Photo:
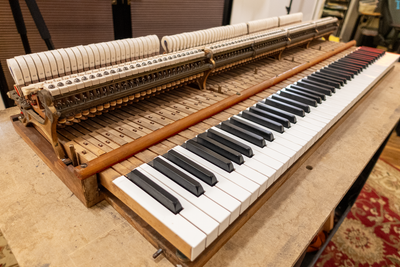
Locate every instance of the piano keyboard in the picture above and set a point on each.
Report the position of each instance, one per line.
(195, 191)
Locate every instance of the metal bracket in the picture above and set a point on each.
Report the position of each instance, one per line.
(202, 81)
(47, 125)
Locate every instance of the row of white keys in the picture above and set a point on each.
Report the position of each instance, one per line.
(273, 158)
(218, 197)
(223, 185)
(178, 224)
(208, 206)
(269, 166)
(234, 177)
(190, 211)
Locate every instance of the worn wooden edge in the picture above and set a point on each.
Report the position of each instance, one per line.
(85, 190)
(106, 178)
(107, 160)
(158, 241)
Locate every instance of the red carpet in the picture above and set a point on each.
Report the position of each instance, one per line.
(370, 234)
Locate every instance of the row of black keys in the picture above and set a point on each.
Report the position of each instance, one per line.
(276, 113)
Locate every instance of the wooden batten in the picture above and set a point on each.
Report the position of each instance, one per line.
(106, 178)
(107, 160)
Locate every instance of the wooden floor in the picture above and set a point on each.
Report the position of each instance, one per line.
(391, 153)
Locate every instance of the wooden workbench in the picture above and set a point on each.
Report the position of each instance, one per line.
(46, 225)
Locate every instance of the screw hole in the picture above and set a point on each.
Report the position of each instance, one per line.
(308, 167)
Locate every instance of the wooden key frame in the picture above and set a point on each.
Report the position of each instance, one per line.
(90, 164)
(82, 180)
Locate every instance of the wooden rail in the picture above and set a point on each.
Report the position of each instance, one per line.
(107, 160)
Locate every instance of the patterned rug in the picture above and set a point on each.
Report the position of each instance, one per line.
(370, 234)
(7, 259)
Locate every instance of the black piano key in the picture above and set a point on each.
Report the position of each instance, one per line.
(346, 75)
(269, 115)
(353, 63)
(304, 93)
(263, 121)
(320, 85)
(292, 102)
(177, 176)
(333, 78)
(267, 135)
(230, 142)
(344, 68)
(285, 107)
(308, 91)
(313, 87)
(192, 167)
(288, 115)
(300, 98)
(221, 149)
(209, 155)
(346, 64)
(244, 134)
(323, 81)
(155, 191)
(361, 59)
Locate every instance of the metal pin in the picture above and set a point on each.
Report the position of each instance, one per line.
(157, 253)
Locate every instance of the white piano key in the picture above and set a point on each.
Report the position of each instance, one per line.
(176, 223)
(214, 193)
(266, 150)
(225, 185)
(215, 211)
(236, 178)
(291, 150)
(190, 212)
